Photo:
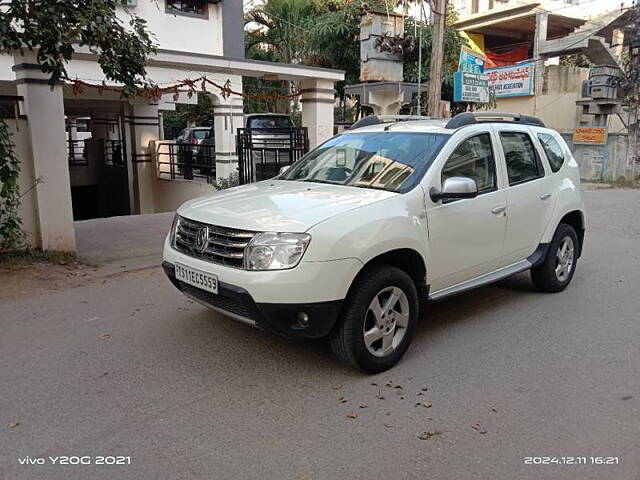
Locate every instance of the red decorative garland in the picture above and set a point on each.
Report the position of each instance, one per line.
(154, 92)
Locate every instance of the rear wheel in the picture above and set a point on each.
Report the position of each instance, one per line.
(378, 320)
(556, 272)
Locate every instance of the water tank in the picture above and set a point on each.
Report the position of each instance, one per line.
(377, 65)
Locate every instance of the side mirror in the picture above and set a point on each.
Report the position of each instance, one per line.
(284, 169)
(455, 188)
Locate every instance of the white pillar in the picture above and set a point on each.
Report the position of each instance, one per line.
(386, 102)
(98, 125)
(144, 127)
(227, 118)
(44, 108)
(542, 22)
(318, 100)
(617, 42)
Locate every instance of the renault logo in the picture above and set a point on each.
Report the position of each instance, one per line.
(202, 239)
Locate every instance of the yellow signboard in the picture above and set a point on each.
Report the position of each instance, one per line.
(590, 135)
(475, 41)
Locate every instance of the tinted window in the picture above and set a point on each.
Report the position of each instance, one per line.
(553, 150)
(269, 122)
(200, 134)
(520, 155)
(473, 158)
(392, 161)
(196, 7)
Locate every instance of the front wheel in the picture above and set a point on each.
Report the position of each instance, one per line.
(378, 321)
(555, 273)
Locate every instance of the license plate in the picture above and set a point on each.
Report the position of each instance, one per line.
(203, 280)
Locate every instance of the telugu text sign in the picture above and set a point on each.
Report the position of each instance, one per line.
(511, 81)
(590, 135)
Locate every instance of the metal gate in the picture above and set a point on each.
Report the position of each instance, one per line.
(262, 152)
(183, 160)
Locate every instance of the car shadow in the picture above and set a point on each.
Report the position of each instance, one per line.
(480, 300)
(241, 344)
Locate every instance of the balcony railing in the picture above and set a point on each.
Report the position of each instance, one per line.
(76, 152)
(114, 153)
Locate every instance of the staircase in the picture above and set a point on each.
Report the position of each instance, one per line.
(585, 40)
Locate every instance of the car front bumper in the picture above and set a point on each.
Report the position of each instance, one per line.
(279, 318)
(273, 300)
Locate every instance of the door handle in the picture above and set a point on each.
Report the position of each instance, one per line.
(545, 196)
(498, 210)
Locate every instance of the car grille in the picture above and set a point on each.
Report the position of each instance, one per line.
(221, 245)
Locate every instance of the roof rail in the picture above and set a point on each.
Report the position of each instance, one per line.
(472, 118)
(378, 119)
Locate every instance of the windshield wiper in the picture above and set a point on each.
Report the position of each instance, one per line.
(314, 180)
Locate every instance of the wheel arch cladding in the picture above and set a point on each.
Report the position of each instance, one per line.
(575, 218)
(406, 259)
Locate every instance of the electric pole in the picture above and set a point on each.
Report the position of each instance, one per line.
(438, 9)
(633, 79)
(418, 97)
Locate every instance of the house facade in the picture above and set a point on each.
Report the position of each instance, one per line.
(522, 42)
(87, 152)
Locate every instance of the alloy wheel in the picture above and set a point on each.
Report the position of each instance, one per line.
(564, 259)
(386, 321)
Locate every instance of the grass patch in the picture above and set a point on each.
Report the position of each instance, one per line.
(22, 258)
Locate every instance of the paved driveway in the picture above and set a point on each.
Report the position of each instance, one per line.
(130, 367)
(136, 238)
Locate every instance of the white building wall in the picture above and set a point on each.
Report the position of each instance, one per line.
(181, 32)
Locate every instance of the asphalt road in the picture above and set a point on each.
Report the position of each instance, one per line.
(130, 367)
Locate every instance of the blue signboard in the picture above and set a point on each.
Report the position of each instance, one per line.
(471, 61)
(470, 87)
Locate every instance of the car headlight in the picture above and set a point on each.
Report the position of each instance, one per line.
(174, 229)
(275, 251)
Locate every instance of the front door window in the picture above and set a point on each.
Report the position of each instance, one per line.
(473, 158)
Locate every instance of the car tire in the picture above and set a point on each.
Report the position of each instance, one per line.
(372, 339)
(555, 273)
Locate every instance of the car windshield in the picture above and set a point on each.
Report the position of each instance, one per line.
(393, 161)
(269, 122)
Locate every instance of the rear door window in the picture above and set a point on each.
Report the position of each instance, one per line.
(553, 150)
(520, 156)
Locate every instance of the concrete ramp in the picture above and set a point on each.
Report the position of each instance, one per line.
(134, 241)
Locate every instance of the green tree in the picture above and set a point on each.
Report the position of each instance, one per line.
(453, 42)
(261, 86)
(54, 29)
(334, 36)
(282, 26)
(200, 115)
(326, 34)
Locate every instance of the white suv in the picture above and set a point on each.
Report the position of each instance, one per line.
(354, 238)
